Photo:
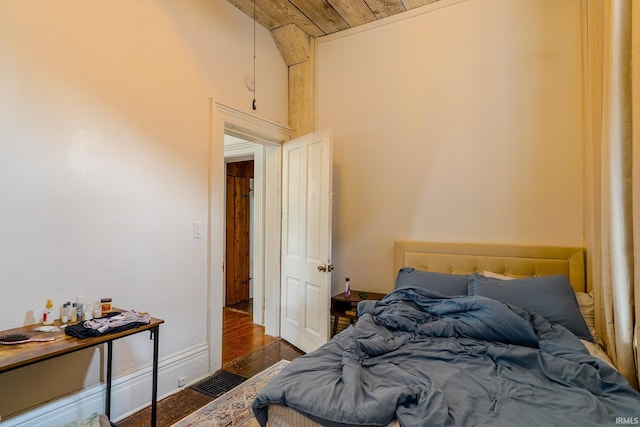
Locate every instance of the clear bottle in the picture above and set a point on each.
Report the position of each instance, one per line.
(64, 314)
(74, 312)
(347, 288)
(97, 309)
(69, 308)
(79, 307)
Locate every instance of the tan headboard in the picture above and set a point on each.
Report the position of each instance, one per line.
(510, 260)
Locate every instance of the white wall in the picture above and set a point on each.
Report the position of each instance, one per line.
(462, 124)
(104, 168)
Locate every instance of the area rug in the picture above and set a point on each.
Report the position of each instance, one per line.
(233, 409)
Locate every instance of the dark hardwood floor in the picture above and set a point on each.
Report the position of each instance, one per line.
(246, 350)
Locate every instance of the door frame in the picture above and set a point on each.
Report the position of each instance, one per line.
(224, 119)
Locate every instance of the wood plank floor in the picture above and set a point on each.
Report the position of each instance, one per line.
(246, 350)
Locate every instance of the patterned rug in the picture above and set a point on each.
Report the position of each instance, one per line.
(233, 409)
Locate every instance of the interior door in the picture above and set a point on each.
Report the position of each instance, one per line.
(306, 240)
(238, 226)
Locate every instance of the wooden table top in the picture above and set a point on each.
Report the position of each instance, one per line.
(14, 356)
(356, 296)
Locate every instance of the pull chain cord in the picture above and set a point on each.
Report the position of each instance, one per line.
(254, 105)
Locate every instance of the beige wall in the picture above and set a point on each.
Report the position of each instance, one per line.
(104, 169)
(462, 124)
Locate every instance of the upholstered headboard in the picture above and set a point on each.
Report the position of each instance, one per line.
(510, 260)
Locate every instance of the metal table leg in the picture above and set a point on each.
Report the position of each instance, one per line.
(107, 409)
(154, 387)
(154, 384)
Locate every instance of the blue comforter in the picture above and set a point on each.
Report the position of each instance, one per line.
(429, 360)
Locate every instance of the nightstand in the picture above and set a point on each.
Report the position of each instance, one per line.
(342, 306)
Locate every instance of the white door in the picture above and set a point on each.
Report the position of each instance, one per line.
(306, 240)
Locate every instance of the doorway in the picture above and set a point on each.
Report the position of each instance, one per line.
(266, 138)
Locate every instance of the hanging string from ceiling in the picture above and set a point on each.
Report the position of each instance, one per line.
(254, 105)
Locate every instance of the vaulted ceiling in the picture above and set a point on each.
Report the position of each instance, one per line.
(294, 24)
(317, 18)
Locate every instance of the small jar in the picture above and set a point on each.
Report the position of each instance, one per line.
(105, 303)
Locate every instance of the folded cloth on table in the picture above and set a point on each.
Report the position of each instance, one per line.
(114, 322)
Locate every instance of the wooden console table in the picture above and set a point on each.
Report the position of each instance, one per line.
(16, 356)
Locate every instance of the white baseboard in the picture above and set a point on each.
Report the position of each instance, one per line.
(129, 393)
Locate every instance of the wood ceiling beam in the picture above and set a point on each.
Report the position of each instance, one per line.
(287, 13)
(302, 94)
(298, 51)
(293, 34)
(293, 44)
(273, 14)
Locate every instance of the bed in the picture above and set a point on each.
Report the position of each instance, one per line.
(470, 335)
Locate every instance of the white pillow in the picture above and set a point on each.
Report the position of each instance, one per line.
(587, 308)
(493, 275)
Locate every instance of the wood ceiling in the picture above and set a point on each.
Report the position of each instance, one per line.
(317, 18)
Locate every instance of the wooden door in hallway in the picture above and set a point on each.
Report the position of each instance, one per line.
(238, 231)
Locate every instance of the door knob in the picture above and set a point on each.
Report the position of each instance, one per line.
(324, 267)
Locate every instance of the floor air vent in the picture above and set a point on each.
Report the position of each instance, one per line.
(219, 384)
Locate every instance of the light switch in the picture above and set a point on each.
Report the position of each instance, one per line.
(197, 229)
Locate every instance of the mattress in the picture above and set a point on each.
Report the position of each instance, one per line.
(283, 416)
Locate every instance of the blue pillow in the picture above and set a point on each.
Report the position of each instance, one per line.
(444, 284)
(550, 296)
